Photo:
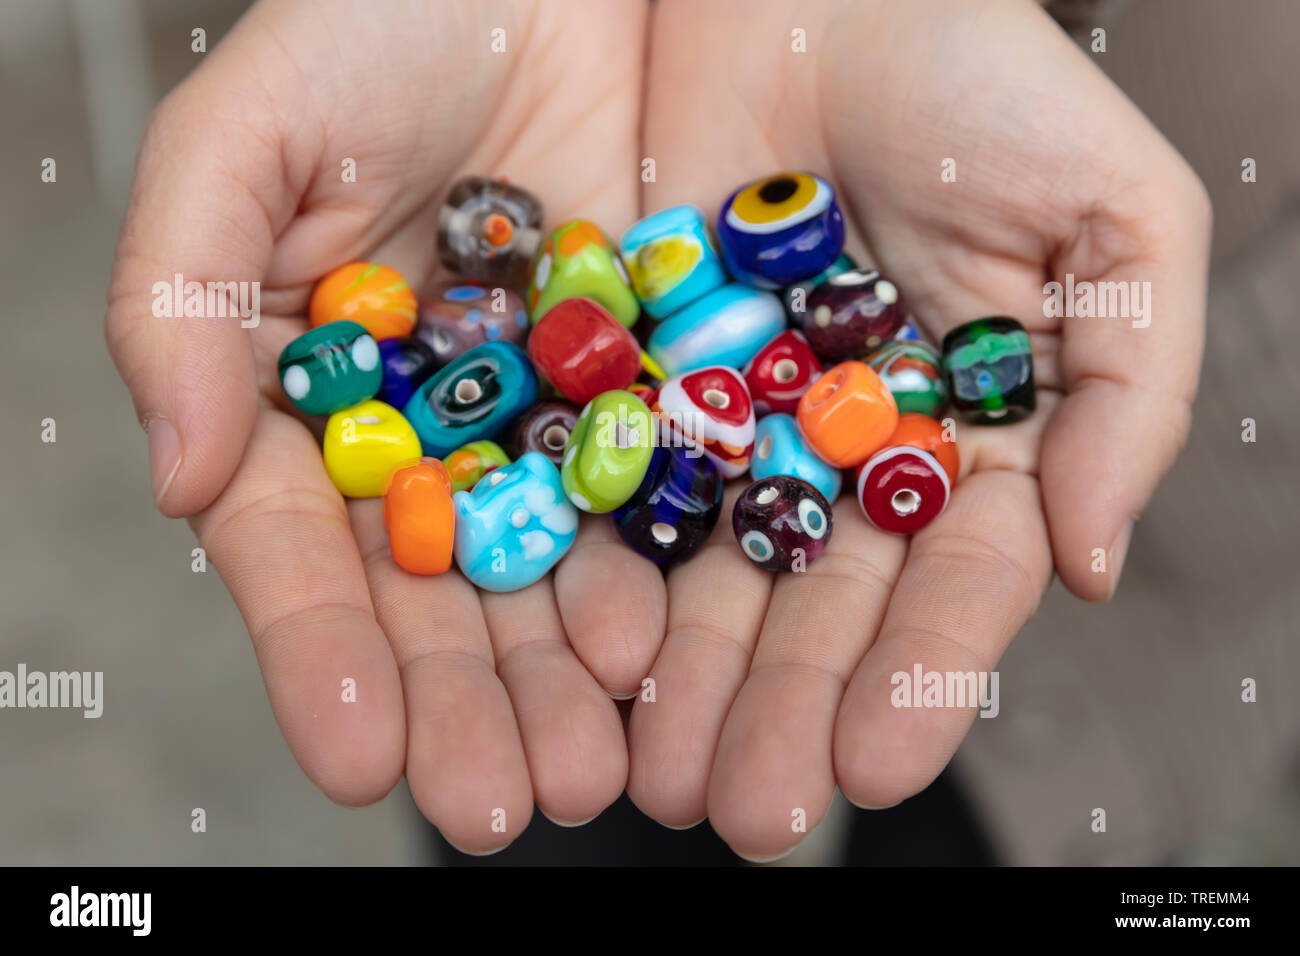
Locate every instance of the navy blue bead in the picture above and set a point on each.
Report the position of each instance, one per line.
(407, 363)
(674, 510)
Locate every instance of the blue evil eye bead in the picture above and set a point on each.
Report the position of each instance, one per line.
(795, 297)
(780, 230)
(673, 511)
(333, 366)
(514, 526)
(780, 449)
(473, 397)
(727, 326)
(407, 364)
(670, 260)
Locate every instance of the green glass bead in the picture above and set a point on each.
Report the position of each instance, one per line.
(608, 452)
(470, 462)
(990, 369)
(331, 367)
(578, 260)
(913, 374)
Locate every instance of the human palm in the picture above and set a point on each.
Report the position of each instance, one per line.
(770, 692)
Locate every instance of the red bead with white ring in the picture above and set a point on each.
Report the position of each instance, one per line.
(902, 489)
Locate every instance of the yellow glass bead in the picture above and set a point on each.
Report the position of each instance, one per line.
(363, 444)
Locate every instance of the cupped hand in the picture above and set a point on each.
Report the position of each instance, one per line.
(770, 692)
(483, 699)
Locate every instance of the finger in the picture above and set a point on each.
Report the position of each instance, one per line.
(207, 204)
(970, 581)
(464, 758)
(613, 604)
(716, 602)
(773, 767)
(1130, 383)
(279, 536)
(571, 730)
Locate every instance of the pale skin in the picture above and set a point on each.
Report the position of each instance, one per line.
(769, 692)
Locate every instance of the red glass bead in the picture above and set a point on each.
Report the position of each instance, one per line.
(583, 350)
(709, 409)
(902, 489)
(781, 372)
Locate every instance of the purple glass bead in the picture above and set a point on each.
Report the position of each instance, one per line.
(545, 428)
(455, 316)
(782, 523)
(851, 314)
(674, 510)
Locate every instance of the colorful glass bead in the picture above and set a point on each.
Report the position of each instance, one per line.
(583, 350)
(726, 327)
(708, 409)
(924, 432)
(847, 414)
(795, 297)
(781, 372)
(468, 463)
(514, 526)
(363, 444)
(330, 367)
(375, 296)
(782, 523)
(990, 369)
(489, 230)
(545, 429)
(407, 364)
(608, 452)
(781, 229)
(473, 397)
(852, 314)
(675, 508)
(913, 374)
(779, 449)
(455, 316)
(671, 260)
(907, 484)
(419, 516)
(577, 259)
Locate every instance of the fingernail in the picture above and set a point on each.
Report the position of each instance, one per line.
(1118, 549)
(164, 454)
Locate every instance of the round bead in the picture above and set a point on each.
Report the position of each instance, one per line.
(781, 372)
(407, 364)
(781, 229)
(375, 296)
(726, 327)
(990, 368)
(779, 449)
(851, 314)
(673, 511)
(583, 350)
(902, 489)
(545, 429)
(913, 374)
(419, 516)
(470, 462)
(847, 414)
(577, 259)
(489, 229)
(456, 316)
(782, 523)
(795, 297)
(608, 452)
(671, 260)
(363, 444)
(708, 409)
(924, 432)
(330, 367)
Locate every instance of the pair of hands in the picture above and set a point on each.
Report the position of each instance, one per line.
(769, 691)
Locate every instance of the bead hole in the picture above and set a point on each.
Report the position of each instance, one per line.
(663, 533)
(441, 341)
(366, 420)
(767, 496)
(785, 371)
(777, 190)
(625, 437)
(468, 390)
(765, 447)
(555, 437)
(716, 397)
(905, 501)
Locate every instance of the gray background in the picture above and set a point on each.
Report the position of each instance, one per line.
(1133, 707)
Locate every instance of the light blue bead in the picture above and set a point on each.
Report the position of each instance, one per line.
(726, 327)
(514, 526)
(780, 449)
(671, 260)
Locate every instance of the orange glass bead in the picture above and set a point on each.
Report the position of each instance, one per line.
(847, 414)
(419, 516)
(375, 296)
(922, 431)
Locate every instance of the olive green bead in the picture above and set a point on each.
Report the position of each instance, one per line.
(578, 260)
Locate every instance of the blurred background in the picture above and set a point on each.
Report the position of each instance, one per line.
(1134, 706)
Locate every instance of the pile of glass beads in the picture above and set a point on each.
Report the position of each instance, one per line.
(635, 380)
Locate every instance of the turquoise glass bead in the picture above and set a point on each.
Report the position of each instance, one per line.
(473, 397)
(331, 367)
(671, 260)
(726, 327)
(514, 526)
(780, 449)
